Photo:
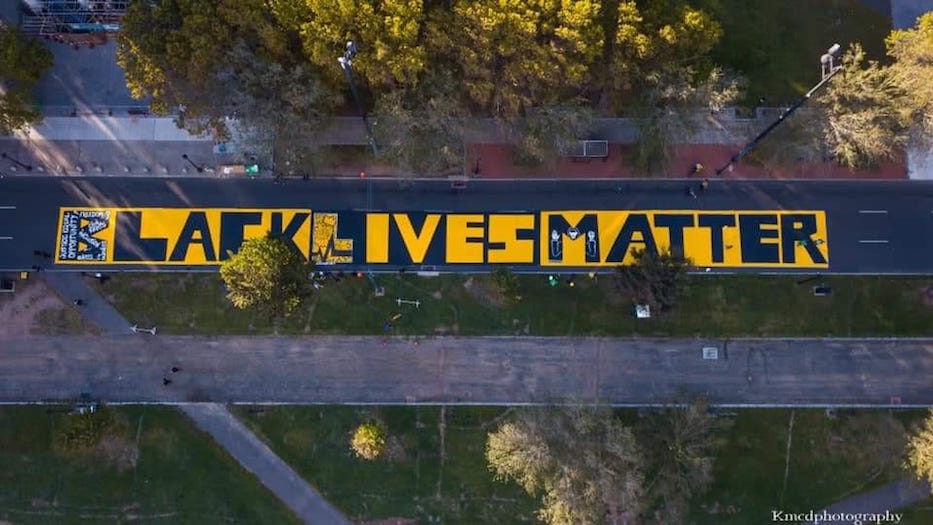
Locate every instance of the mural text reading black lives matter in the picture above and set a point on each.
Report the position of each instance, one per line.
(559, 238)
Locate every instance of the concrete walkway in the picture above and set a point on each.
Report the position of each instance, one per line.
(891, 497)
(214, 419)
(96, 310)
(468, 370)
(257, 458)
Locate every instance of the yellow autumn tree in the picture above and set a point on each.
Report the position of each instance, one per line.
(920, 450)
(516, 54)
(386, 33)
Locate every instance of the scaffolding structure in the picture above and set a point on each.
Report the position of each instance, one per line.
(73, 21)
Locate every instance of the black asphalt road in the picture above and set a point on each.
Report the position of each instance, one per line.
(895, 218)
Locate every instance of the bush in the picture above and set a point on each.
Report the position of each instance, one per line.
(369, 440)
(506, 284)
(653, 279)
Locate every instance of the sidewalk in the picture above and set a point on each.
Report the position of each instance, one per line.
(891, 497)
(73, 285)
(153, 146)
(280, 478)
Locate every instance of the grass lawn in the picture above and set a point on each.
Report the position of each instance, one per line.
(920, 513)
(829, 459)
(718, 306)
(777, 44)
(153, 466)
(417, 483)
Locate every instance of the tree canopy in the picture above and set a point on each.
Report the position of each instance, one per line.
(23, 61)
(581, 460)
(421, 128)
(920, 450)
(515, 54)
(912, 51)
(864, 119)
(267, 274)
(681, 441)
(387, 32)
(215, 59)
(873, 111)
(655, 280)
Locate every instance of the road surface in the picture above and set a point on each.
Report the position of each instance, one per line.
(481, 370)
(871, 227)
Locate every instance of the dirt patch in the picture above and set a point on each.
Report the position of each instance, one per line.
(33, 301)
(395, 450)
(120, 453)
(446, 330)
(145, 284)
(484, 292)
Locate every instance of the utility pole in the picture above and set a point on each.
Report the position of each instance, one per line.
(828, 70)
(346, 63)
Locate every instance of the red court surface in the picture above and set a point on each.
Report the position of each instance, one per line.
(496, 162)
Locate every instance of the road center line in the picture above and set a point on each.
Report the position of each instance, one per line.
(873, 211)
(873, 241)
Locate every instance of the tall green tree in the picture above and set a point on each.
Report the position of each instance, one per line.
(657, 38)
(23, 61)
(420, 129)
(547, 131)
(674, 103)
(181, 54)
(581, 460)
(289, 102)
(269, 275)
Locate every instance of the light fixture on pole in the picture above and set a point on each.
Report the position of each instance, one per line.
(26, 167)
(198, 168)
(829, 68)
(346, 63)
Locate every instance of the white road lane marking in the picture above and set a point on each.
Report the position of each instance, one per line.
(7, 207)
(2, 238)
(873, 241)
(873, 211)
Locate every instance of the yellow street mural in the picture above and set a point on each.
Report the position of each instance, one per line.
(559, 238)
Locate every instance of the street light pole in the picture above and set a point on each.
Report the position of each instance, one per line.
(828, 70)
(26, 167)
(199, 168)
(346, 63)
